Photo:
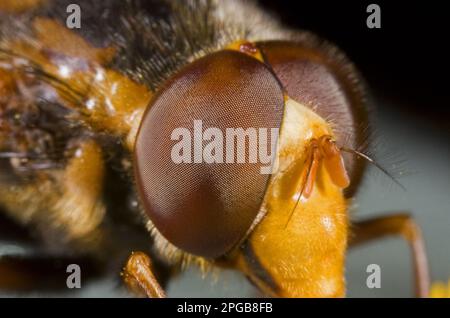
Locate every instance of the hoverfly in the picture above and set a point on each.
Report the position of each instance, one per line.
(85, 144)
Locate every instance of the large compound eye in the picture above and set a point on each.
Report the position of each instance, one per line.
(319, 77)
(206, 208)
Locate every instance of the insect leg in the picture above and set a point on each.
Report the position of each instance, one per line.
(138, 275)
(398, 224)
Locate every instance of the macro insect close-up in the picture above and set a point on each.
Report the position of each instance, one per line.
(142, 142)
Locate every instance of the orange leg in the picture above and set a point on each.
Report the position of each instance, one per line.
(138, 275)
(405, 226)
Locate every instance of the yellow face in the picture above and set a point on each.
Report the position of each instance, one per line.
(299, 253)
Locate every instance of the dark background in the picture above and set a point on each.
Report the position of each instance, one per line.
(407, 59)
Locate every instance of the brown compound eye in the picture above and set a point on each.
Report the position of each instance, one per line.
(206, 208)
(319, 77)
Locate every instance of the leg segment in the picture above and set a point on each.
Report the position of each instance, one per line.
(405, 226)
(138, 275)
